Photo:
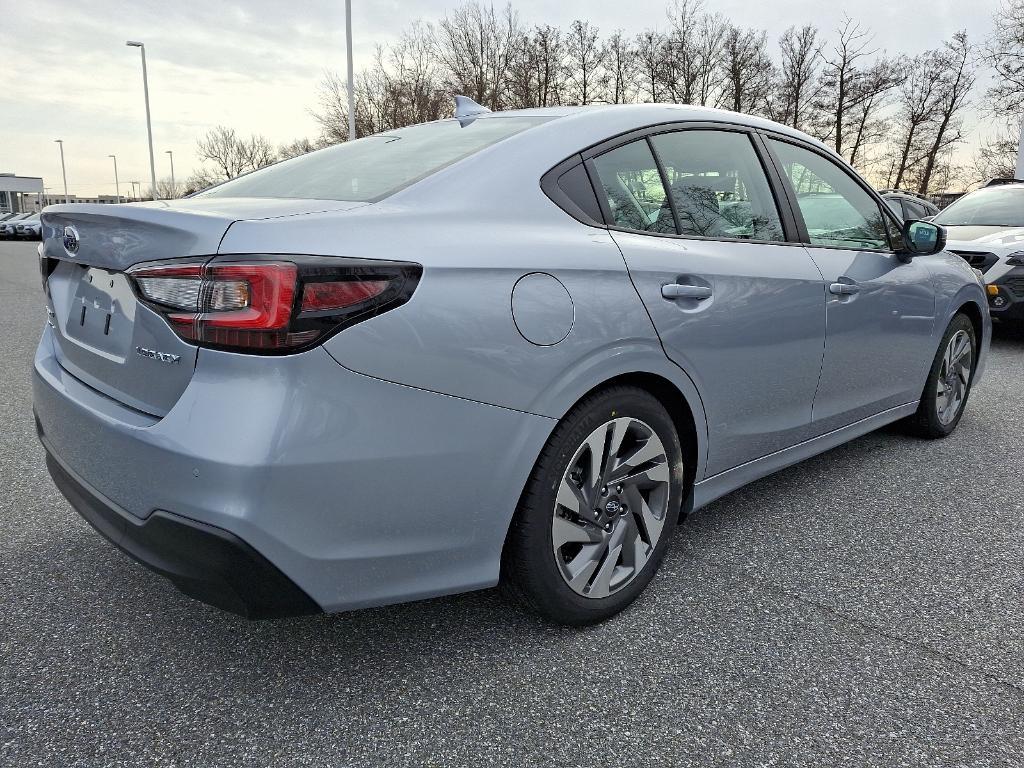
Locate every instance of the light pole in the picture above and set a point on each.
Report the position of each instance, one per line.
(174, 187)
(351, 75)
(63, 170)
(117, 184)
(149, 124)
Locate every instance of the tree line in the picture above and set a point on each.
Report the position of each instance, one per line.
(896, 117)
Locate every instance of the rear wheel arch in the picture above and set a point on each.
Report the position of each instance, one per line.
(973, 313)
(682, 412)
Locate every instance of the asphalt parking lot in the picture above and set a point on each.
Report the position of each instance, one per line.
(864, 608)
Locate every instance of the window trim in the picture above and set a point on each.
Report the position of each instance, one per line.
(842, 165)
(790, 230)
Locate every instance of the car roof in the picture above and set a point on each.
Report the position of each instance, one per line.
(645, 115)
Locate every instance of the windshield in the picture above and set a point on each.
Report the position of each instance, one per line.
(374, 167)
(989, 207)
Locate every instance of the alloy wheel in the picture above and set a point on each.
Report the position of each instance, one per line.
(611, 507)
(954, 377)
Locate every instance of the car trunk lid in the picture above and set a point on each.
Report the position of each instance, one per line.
(102, 334)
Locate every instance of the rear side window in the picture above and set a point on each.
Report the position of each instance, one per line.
(374, 167)
(718, 185)
(915, 210)
(632, 186)
(837, 211)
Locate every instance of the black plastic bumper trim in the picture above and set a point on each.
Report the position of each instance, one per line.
(205, 562)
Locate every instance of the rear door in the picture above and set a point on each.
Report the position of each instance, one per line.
(735, 305)
(880, 309)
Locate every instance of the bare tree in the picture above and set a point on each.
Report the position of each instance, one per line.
(996, 158)
(620, 62)
(165, 190)
(852, 92)
(536, 72)
(295, 149)
(868, 124)
(798, 75)
(747, 71)
(231, 154)
(650, 59)
(957, 81)
(586, 78)
(690, 71)
(917, 96)
(402, 87)
(474, 46)
(1004, 52)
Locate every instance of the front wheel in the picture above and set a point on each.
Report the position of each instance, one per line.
(597, 514)
(949, 382)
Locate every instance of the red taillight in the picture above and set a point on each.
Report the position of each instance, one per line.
(253, 306)
(319, 297)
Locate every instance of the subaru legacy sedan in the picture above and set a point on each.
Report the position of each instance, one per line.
(510, 347)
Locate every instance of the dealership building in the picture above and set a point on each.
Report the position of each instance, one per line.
(20, 193)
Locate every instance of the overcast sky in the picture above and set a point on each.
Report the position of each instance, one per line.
(254, 66)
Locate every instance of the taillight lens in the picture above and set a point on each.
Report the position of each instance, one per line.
(269, 305)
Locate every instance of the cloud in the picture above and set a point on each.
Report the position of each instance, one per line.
(254, 66)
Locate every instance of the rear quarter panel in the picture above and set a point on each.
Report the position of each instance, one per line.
(956, 285)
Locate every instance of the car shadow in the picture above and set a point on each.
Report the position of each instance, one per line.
(1008, 336)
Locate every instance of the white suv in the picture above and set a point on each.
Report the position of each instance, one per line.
(986, 227)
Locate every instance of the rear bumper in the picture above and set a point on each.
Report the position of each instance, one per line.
(359, 491)
(204, 562)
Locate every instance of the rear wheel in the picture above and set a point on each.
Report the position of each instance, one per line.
(949, 382)
(597, 514)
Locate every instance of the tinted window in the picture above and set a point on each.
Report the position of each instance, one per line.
(894, 205)
(914, 209)
(632, 185)
(992, 206)
(375, 166)
(718, 185)
(835, 208)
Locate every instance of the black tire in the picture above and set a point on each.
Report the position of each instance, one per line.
(530, 574)
(926, 423)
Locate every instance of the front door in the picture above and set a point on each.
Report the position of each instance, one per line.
(880, 309)
(739, 309)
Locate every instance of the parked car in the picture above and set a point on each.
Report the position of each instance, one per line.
(909, 206)
(506, 347)
(986, 228)
(28, 228)
(7, 226)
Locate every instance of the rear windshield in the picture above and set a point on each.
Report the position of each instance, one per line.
(991, 207)
(374, 167)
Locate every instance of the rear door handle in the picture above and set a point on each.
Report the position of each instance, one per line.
(677, 291)
(844, 289)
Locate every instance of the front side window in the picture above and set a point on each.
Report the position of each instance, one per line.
(838, 212)
(718, 185)
(632, 186)
(374, 167)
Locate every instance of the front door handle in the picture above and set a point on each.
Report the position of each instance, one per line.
(677, 291)
(844, 289)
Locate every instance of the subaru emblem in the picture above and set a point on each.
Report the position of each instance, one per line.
(71, 240)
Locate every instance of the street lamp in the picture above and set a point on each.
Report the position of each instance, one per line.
(63, 170)
(149, 124)
(117, 184)
(351, 76)
(174, 187)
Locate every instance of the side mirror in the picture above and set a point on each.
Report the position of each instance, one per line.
(922, 238)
